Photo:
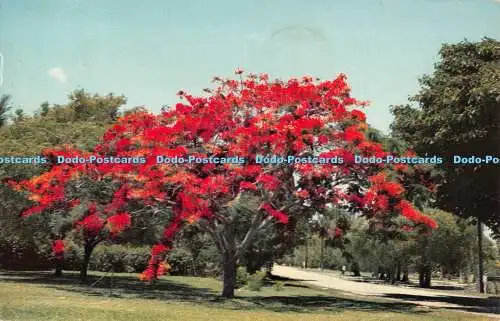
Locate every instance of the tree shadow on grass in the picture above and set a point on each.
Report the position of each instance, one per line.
(444, 287)
(326, 303)
(470, 304)
(121, 286)
(118, 286)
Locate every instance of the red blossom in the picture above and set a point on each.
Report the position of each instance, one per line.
(163, 268)
(92, 223)
(279, 215)
(269, 181)
(248, 186)
(159, 249)
(359, 115)
(58, 247)
(322, 139)
(392, 188)
(119, 222)
(352, 134)
(148, 274)
(302, 194)
(408, 211)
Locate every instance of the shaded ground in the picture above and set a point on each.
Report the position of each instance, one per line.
(424, 297)
(38, 296)
(296, 298)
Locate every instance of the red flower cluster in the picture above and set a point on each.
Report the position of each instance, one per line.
(118, 222)
(415, 216)
(58, 247)
(269, 182)
(279, 215)
(158, 249)
(248, 186)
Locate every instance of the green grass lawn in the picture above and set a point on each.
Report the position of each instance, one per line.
(38, 296)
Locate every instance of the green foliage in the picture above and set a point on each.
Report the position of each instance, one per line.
(20, 115)
(26, 242)
(119, 258)
(242, 277)
(194, 253)
(279, 286)
(333, 258)
(256, 281)
(5, 107)
(459, 114)
(33, 134)
(84, 107)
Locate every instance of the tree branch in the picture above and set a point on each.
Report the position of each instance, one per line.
(254, 227)
(222, 239)
(213, 234)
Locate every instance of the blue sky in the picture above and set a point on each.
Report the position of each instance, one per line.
(150, 49)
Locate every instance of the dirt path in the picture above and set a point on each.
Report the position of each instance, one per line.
(424, 297)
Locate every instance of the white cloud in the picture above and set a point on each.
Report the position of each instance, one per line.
(497, 1)
(58, 74)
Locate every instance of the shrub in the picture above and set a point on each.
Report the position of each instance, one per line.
(256, 281)
(119, 258)
(241, 277)
(279, 286)
(181, 262)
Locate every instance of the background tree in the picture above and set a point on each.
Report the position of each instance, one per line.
(459, 114)
(19, 115)
(5, 107)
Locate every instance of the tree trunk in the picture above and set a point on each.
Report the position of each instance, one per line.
(322, 253)
(306, 254)
(480, 256)
(428, 277)
(193, 264)
(229, 275)
(380, 273)
(355, 269)
(398, 271)
(89, 247)
(269, 267)
(59, 268)
(393, 274)
(405, 278)
(424, 276)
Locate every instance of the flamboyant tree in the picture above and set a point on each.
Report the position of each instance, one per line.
(65, 198)
(240, 120)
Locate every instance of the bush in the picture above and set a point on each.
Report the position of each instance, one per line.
(181, 262)
(127, 258)
(208, 262)
(256, 280)
(119, 258)
(279, 286)
(241, 277)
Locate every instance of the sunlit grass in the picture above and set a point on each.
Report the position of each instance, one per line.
(39, 297)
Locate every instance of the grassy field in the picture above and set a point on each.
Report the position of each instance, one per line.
(38, 296)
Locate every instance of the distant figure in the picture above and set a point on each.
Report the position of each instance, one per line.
(343, 269)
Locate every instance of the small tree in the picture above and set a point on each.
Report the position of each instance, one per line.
(5, 107)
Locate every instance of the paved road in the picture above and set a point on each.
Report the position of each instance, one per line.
(424, 297)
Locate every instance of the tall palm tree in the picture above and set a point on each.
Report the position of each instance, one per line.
(4, 109)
